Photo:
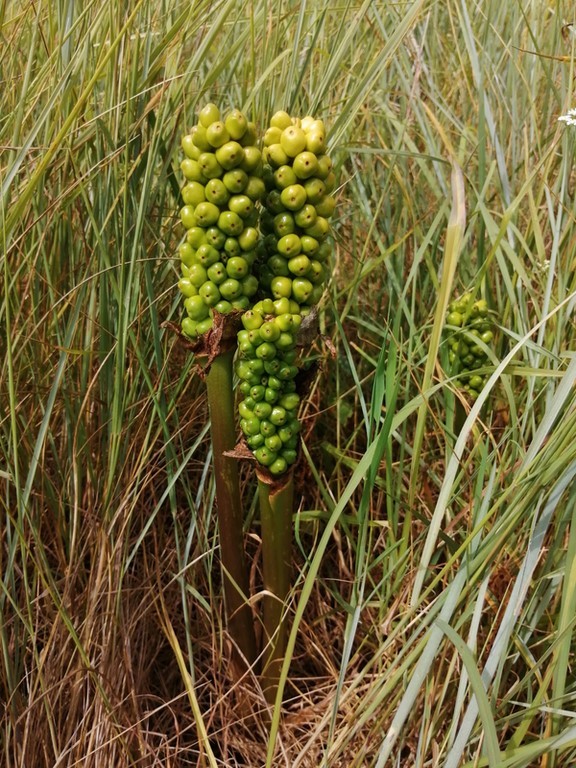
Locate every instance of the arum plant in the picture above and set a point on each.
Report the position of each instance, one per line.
(222, 168)
(469, 346)
(257, 246)
(292, 270)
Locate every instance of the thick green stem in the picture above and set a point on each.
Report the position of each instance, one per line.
(219, 383)
(276, 523)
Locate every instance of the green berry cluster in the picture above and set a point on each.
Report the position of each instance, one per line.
(223, 171)
(257, 227)
(466, 353)
(266, 369)
(299, 180)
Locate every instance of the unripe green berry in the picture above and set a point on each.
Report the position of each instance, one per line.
(299, 265)
(196, 236)
(210, 293)
(230, 223)
(224, 307)
(193, 193)
(237, 267)
(273, 443)
(210, 167)
(265, 456)
(207, 214)
(301, 289)
(242, 205)
(272, 135)
(230, 155)
(217, 273)
(306, 216)
(216, 134)
(280, 120)
(235, 180)
(284, 177)
(276, 155)
(284, 224)
(267, 428)
(215, 237)
(192, 171)
(196, 308)
(269, 331)
(252, 161)
(293, 197)
(305, 165)
(236, 124)
(289, 246)
(231, 289)
(281, 286)
(189, 327)
(293, 140)
(207, 255)
(199, 138)
(279, 466)
(208, 114)
(262, 409)
(188, 216)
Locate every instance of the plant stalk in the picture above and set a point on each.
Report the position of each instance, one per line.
(276, 525)
(219, 385)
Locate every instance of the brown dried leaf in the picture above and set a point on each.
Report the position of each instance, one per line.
(240, 451)
(220, 338)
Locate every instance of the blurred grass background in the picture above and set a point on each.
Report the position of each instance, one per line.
(435, 590)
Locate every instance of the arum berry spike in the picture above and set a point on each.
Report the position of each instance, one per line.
(468, 345)
(292, 268)
(266, 369)
(299, 181)
(223, 172)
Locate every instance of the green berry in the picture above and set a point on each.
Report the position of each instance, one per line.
(280, 120)
(293, 197)
(265, 456)
(285, 176)
(230, 223)
(192, 171)
(231, 289)
(208, 114)
(216, 134)
(236, 124)
(188, 216)
(279, 466)
(210, 167)
(242, 205)
(276, 155)
(235, 181)
(217, 273)
(230, 155)
(237, 267)
(193, 193)
(196, 308)
(306, 216)
(305, 164)
(206, 214)
(302, 289)
(210, 293)
(293, 140)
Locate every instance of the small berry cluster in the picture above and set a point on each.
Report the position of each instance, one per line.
(468, 346)
(267, 371)
(223, 168)
(299, 179)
